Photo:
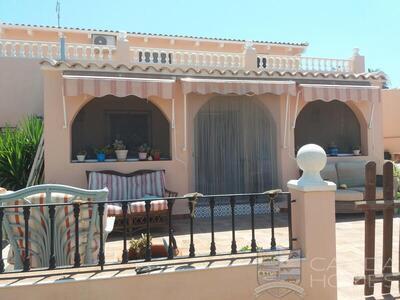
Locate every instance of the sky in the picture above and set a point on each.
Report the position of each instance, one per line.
(332, 28)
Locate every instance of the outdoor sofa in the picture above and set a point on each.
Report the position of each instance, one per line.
(141, 184)
(349, 177)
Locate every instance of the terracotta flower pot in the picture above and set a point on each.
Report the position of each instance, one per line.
(157, 251)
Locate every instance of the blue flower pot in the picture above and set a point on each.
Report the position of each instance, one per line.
(333, 151)
(101, 156)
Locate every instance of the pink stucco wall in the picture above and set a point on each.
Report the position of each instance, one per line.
(24, 88)
(180, 173)
(21, 86)
(391, 128)
(142, 40)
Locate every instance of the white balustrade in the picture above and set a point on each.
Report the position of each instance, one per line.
(197, 59)
(28, 49)
(89, 52)
(172, 57)
(303, 64)
(51, 50)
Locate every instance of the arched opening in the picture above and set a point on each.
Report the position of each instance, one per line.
(133, 120)
(234, 146)
(328, 124)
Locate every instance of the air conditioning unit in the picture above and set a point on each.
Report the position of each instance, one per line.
(103, 39)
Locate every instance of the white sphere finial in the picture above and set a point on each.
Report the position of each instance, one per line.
(311, 159)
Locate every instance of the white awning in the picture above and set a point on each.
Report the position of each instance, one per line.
(239, 87)
(312, 92)
(99, 86)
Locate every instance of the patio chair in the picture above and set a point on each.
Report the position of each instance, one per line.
(141, 184)
(64, 224)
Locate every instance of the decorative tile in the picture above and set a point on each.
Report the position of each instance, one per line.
(221, 210)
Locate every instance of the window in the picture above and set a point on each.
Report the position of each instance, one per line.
(328, 123)
(134, 120)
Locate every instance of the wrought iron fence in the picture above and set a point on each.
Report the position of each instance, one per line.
(76, 206)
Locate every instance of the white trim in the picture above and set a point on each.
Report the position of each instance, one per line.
(324, 186)
(218, 80)
(142, 79)
(371, 87)
(286, 121)
(64, 107)
(184, 122)
(295, 110)
(371, 117)
(173, 114)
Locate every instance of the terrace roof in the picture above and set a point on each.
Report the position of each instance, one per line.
(79, 66)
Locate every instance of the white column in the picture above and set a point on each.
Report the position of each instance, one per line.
(313, 214)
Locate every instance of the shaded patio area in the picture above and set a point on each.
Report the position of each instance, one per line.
(349, 245)
(202, 235)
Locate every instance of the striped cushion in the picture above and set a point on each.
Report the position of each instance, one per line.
(117, 185)
(150, 183)
(156, 205)
(39, 229)
(114, 210)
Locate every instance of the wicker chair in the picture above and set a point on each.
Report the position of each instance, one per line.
(135, 185)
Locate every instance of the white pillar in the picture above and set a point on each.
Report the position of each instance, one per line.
(358, 62)
(250, 57)
(313, 214)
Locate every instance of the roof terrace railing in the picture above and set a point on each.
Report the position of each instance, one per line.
(51, 50)
(49, 262)
(187, 58)
(303, 64)
(184, 58)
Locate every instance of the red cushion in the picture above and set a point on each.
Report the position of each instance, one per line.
(156, 205)
(114, 210)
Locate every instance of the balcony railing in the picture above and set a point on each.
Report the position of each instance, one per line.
(187, 58)
(303, 64)
(77, 207)
(51, 50)
(174, 57)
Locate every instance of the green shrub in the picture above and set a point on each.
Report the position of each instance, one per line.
(17, 152)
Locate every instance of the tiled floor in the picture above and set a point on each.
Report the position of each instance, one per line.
(350, 261)
(223, 235)
(349, 241)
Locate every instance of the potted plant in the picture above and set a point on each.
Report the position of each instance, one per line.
(81, 155)
(100, 153)
(356, 150)
(120, 150)
(333, 149)
(137, 248)
(143, 151)
(108, 150)
(156, 154)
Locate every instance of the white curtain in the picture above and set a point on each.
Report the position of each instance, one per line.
(234, 146)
